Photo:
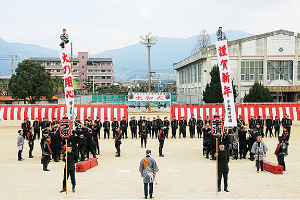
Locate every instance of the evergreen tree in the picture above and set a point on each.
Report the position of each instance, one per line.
(258, 93)
(213, 90)
(31, 81)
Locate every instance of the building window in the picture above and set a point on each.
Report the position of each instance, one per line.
(75, 64)
(280, 70)
(90, 70)
(102, 70)
(96, 70)
(195, 74)
(48, 64)
(199, 73)
(252, 70)
(82, 57)
(299, 70)
(109, 71)
(82, 67)
(75, 70)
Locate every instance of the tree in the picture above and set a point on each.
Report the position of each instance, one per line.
(58, 85)
(213, 90)
(203, 40)
(88, 85)
(32, 81)
(258, 93)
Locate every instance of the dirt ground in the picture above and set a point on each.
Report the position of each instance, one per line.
(184, 172)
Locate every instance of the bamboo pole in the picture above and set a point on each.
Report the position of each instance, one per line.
(217, 158)
(66, 167)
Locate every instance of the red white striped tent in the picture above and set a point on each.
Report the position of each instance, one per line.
(19, 112)
(246, 110)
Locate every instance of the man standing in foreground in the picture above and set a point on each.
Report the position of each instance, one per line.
(223, 159)
(259, 149)
(148, 169)
(118, 142)
(20, 145)
(71, 159)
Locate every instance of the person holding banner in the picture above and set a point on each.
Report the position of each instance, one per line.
(70, 158)
(220, 34)
(223, 169)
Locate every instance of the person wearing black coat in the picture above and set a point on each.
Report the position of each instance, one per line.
(114, 126)
(242, 142)
(154, 127)
(133, 127)
(81, 145)
(95, 130)
(199, 127)
(30, 138)
(24, 128)
(159, 123)
(36, 128)
(288, 124)
(276, 124)
(192, 124)
(143, 134)
(206, 140)
(55, 143)
(182, 127)
(89, 143)
(71, 158)
(149, 126)
(47, 152)
(166, 124)
(281, 152)
(174, 125)
(161, 140)
(106, 126)
(140, 121)
(99, 124)
(223, 169)
(269, 126)
(118, 142)
(123, 126)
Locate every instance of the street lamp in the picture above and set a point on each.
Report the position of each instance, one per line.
(149, 40)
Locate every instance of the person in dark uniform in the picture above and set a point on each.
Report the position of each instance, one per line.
(55, 142)
(192, 125)
(252, 122)
(182, 127)
(81, 146)
(99, 124)
(70, 158)
(47, 152)
(118, 142)
(77, 122)
(286, 138)
(242, 142)
(207, 120)
(174, 125)
(159, 123)
(148, 169)
(133, 127)
(114, 126)
(252, 138)
(288, 124)
(206, 140)
(240, 122)
(281, 152)
(276, 124)
(106, 126)
(36, 128)
(45, 124)
(154, 127)
(149, 126)
(140, 121)
(24, 128)
(95, 130)
(28, 126)
(223, 169)
(199, 127)
(143, 134)
(166, 123)
(30, 138)
(212, 146)
(54, 122)
(123, 126)
(89, 142)
(144, 120)
(261, 124)
(269, 126)
(161, 139)
(283, 121)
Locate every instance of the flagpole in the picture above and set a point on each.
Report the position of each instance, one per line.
(66, 167)
(217, 158)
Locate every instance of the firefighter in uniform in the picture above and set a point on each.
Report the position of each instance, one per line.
(174, 125)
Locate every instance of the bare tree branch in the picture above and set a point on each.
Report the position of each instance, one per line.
(203, 40)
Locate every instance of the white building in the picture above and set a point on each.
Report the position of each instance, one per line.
(271, 58)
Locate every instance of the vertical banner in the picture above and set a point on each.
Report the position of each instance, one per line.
(68, 82)
(226, 84)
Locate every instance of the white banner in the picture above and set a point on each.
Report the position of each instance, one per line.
(143, 96)
(68, 82)
(225, 76)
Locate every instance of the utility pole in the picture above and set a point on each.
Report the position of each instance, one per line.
(158, 84)
(149, 41)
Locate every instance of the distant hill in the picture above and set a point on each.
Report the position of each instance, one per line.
(131, 60)
(8, 49)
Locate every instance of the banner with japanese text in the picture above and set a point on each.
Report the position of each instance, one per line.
(68, 83)
(143, 96)
(226, 84)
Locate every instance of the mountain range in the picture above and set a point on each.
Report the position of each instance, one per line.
(129, 62)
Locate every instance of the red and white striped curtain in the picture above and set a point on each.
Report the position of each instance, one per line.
(246, 110)
(20, 112)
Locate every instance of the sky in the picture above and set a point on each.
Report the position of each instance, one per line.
(99, 25)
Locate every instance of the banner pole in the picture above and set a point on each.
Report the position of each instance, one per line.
(66, 167)
(217, 172)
